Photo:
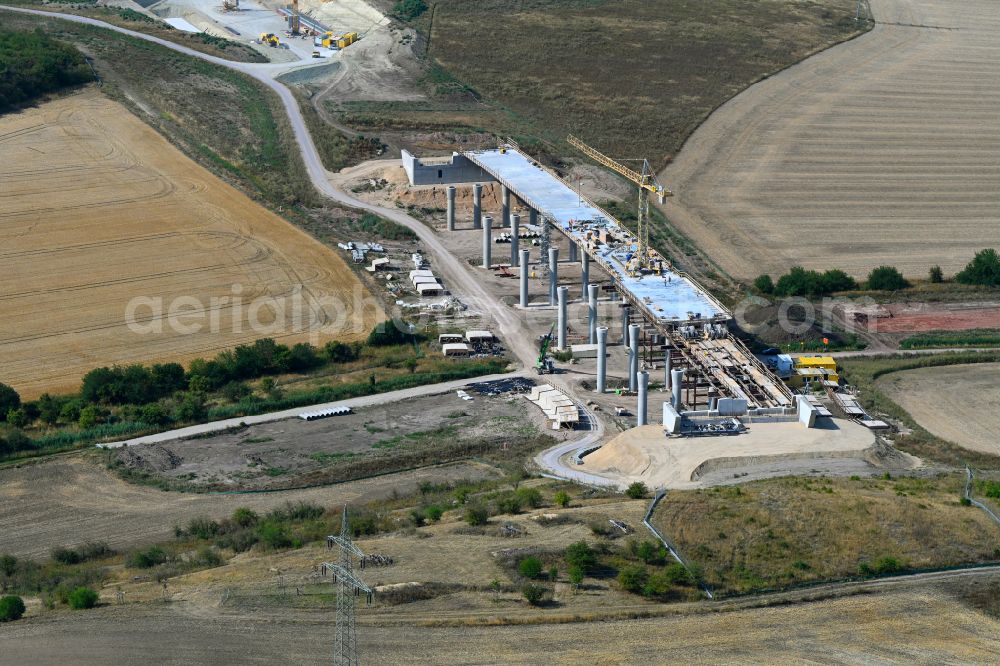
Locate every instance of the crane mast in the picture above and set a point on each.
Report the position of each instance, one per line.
(646, 180)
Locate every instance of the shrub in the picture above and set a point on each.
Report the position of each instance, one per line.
(508, 504)
(298, 511)
(202, 528)
(11, 608)
(407, 10)
(208, 556)
(82, 598)
(434, 513)
(984, 269)
(633, 577)
(274, 536)
(800, 282)
(886, 278)
(562, 499)
(580, 554)
(390, 333)
(146, 559)
(764, 284)
(530, 567)
(636, 490)
(245, 517)
(91, 550)
(575, 574)
(531, 497)
(535, 594)
(9, 399)
(340, 352)
(649, 551)
(936, 275)
(476, 515)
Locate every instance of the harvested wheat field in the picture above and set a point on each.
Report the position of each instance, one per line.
(882, 150)
(958, 403)
(96, 209)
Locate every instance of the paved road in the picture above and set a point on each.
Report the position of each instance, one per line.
(354, 403)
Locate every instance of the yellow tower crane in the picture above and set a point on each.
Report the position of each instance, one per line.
(646, 180)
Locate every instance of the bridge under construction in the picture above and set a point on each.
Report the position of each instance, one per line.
(680, 324)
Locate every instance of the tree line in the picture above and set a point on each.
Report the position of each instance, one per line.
(164, 393)
(983, 270)
(33, 64)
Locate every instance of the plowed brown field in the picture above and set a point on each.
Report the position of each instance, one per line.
(97, 209)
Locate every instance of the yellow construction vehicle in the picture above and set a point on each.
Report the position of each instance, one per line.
(646, 180)
(269, 38)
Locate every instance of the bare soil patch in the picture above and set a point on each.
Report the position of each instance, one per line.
(294, 452)
(98, 209)
(72, 499)
(958, 403)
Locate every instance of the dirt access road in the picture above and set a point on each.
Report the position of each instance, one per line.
(67, 500)
(906, 624)
(459, 276)
(879, 150)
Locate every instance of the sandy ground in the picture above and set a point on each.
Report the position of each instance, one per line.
(911, 626)
(880, 150)
(959, 403)
(645, 454)
(67, 500)
(98, 209)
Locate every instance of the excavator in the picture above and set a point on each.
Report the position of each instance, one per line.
(544, 364)
(646, 180)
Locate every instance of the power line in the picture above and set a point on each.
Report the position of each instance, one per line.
(349, 587)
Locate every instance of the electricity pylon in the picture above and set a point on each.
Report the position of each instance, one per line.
(349, 586)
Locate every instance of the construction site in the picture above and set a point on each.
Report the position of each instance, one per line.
(524, 395)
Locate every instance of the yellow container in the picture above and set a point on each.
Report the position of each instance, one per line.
(825, 362)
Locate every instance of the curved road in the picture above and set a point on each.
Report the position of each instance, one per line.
(460, 277)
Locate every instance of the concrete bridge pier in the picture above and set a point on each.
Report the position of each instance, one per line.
(642, 418)
(592, 314)
(525, 254)
(633, 357)
(561, 325)
(515, 229)
(602, 362)
(451, 208)
(477, 206)
(487, 241)
(553, 273)
(504, 207)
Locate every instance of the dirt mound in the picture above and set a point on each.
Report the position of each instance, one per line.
(152, 458)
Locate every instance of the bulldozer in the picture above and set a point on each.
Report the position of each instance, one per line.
(269, 38)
